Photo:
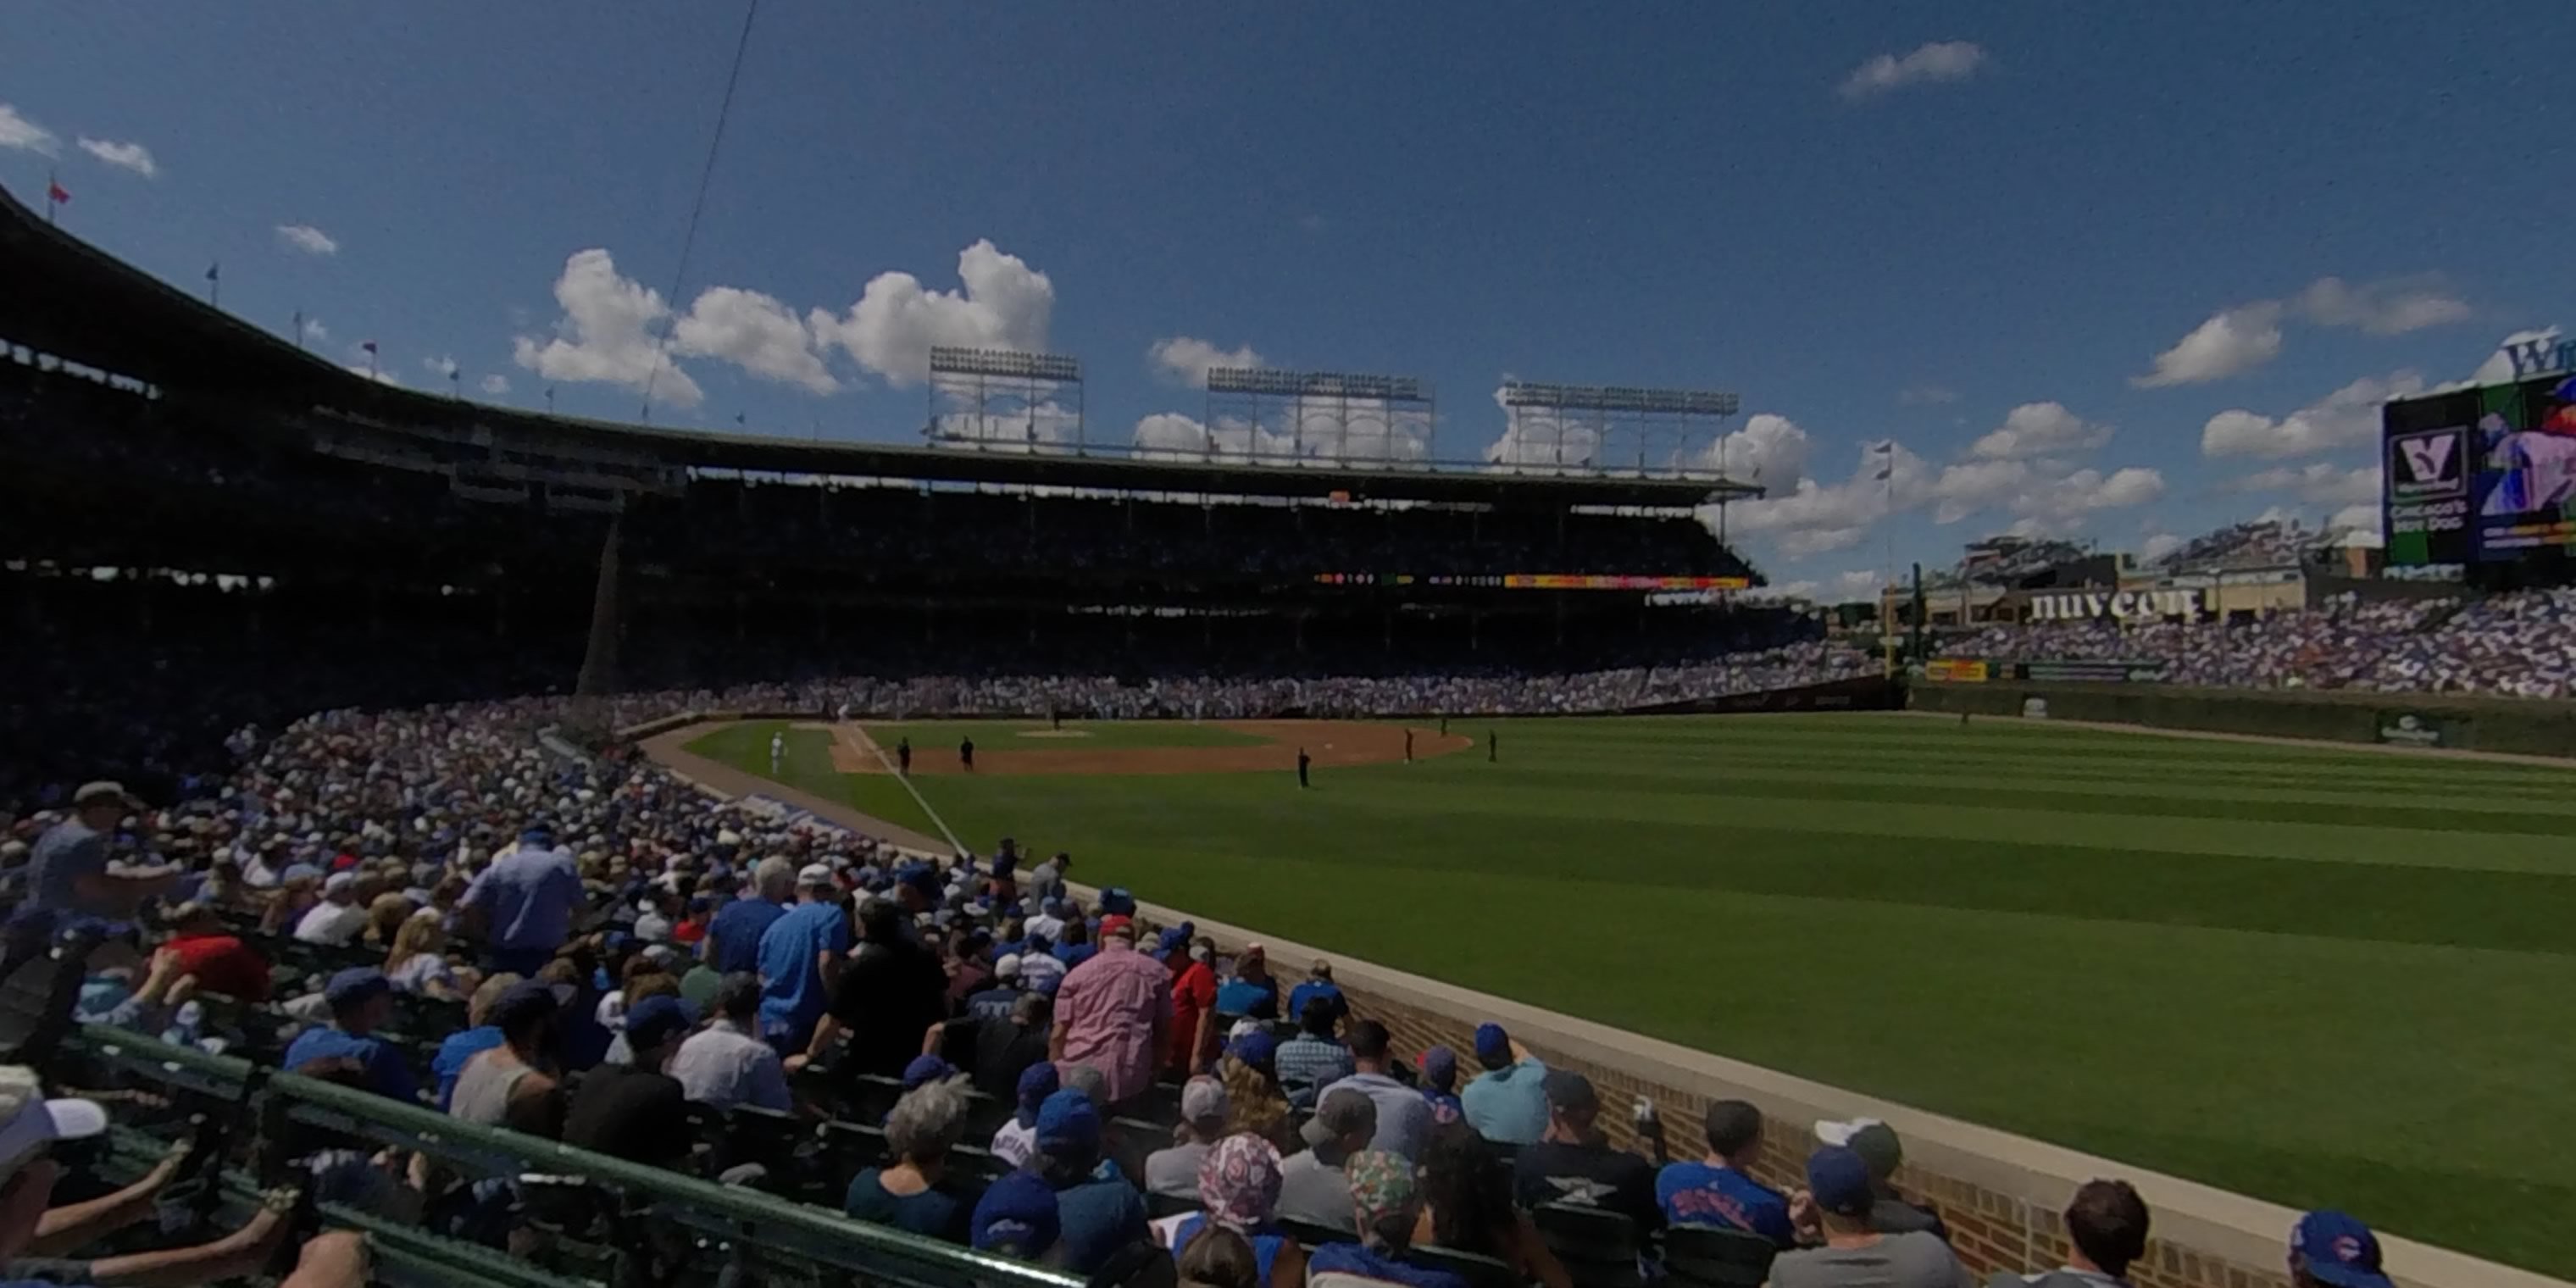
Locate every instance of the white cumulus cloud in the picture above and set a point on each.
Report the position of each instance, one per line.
(1184, 360)
(307, 238)
(19, 133)
(124, 156)
(1934, 63)
(2231, 341)
(442, 366)
(2348, 417)
(1004, 304)
(2392, 307)
(758, 334)
(2317, 483)
(2366, 516)
(2040, 429)
(2158, 546)
(2238, 339)
(605, 334)
(1770, 450)
(495, 385)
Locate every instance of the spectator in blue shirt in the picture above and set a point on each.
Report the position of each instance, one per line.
(1251, 992)
(1719, 1190)
(523, 906)
(732, 944)
(361, 1000)
(1075, 948)
(800, 957)
(1319, 984)
(466, 1044)
(1098, 1209)
(1312, 1059)
(1507, 1103)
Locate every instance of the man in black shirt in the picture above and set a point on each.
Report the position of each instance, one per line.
(1007, 1044)
(633, 1111)
(887, 998)
(1572, 1165)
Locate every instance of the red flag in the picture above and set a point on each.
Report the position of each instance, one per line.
(57, 193)
(369, 346)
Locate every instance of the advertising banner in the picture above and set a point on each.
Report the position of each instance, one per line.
(2526, 468)
(1953, 670)
(2410, 729)
(2091, 672)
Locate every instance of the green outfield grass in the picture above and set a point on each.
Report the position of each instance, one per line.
(2322, 977)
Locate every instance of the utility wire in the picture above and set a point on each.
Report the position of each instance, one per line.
(697, 207)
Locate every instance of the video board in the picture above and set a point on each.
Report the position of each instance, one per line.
(2525, 489)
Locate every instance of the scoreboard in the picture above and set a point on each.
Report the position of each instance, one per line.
(2482, 475)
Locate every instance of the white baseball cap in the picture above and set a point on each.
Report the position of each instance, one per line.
(28, 1121)
(815, 874)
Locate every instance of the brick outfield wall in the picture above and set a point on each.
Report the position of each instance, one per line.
(1991, 1231)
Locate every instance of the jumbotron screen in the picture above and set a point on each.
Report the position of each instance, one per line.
(2485, 474)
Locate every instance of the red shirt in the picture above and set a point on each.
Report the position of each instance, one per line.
(1193, 1001)
(222, 964)
(690, 931)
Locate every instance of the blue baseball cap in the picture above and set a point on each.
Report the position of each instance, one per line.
(654, 1021)
(356, 986)
(1067, 1124)
(2336, 1248)
(1017, 1215)
(1037, 1082)
(1493, 1046)
(925, 1069)
(1116, 900)
(1839, 1179)
(1256, 1049)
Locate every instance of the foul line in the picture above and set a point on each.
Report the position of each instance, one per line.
(859, 733)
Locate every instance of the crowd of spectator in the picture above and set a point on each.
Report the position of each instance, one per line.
(2512, 645)
(623, 950)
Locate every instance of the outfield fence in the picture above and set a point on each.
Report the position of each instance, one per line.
(2520, 726)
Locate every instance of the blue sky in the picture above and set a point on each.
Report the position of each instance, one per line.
(2114, 272)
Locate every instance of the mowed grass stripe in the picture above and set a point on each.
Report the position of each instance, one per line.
(2001, 819)
(2154, 754)
(2139, 798)
(2491, 911)
(1966, 765)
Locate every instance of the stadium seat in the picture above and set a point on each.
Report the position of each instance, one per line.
(1477, 1271)
(1599, 1249)
(1703, 1256)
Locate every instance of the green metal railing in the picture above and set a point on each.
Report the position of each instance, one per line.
(761, 1226)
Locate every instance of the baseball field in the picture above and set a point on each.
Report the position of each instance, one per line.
(2318, 976)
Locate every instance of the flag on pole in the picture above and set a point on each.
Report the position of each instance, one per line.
(215, 271)
(56, 193)
(1886, 453)
(368, 345)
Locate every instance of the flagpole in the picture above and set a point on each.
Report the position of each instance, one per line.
(52, 201)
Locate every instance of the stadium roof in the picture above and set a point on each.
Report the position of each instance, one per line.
(70, 299)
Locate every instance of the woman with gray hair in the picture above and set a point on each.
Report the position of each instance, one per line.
(923, 1127)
